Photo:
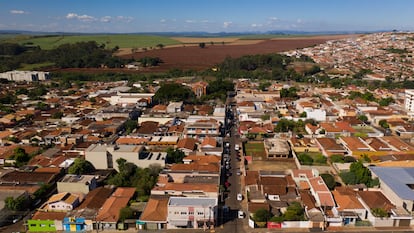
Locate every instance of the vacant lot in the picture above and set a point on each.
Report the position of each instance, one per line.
(272, 165)
(256, 150)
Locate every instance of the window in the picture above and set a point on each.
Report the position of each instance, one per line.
(33, 225)
(183, 213)
(191, 213)
(42, 225)
(200, 213)
(52, 225)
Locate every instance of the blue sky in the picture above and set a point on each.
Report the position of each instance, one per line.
(119, 16)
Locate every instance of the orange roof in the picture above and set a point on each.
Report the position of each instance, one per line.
(203, 159)
(5, 134)
(112, 206)
(187, 143)
(131, 141)
(155, 210)
(346, 200)
(209, 141)
(189, 187)
(196, 167)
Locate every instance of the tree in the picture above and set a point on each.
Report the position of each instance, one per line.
(174, 156)
(262, 215)
(305, 159)
(329, 180)
(384, 124)
(16, 204)
(379, 212)
(294, 212)
(320, 159)
(336, 158)
(130, 126)
(80, 167)
(363, 118)
(202, 45)
(173, 92)
(160, 46)
(125, 213)
(20, 156)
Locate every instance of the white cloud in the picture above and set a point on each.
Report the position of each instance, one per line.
(299, 21)
(255, 25)
(227, 24)
(84, 18)
(106, 19)
(273, 19)
(17, 12)
(126, 19)
(163, 20)
(190, 21)
(205, 21)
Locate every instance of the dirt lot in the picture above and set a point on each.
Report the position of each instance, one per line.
(275, 165)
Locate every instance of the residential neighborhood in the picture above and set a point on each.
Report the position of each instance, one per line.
(131, 155)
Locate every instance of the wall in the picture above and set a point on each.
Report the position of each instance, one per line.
(41, 225)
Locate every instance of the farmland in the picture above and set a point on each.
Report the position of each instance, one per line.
(110, 40)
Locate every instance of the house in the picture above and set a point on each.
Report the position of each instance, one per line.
(203, 128)
(155, 213)
(192, 212)
(108, 214)
(81, 219)
(329, 146)
(174, 107)
(187, 145)
(42, 221)
(397, 183)
(348, 207)
(61, 202)
(77, 184)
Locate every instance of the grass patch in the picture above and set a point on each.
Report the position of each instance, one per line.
(312, 158)
(110, 41)
(255, 149)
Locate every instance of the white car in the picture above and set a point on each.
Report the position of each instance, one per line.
(241, 214)
(239, 197)
(237, 147)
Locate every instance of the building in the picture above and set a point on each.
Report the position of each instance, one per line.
(108, 215)
(276, 148)
(409, 102)
(397, 183)
(191, 212)
(105, 156)
(77, 184)
(25, 76)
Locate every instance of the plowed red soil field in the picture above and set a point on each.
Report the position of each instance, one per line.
(196, 58)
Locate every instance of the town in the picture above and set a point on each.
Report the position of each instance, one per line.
(157, 154)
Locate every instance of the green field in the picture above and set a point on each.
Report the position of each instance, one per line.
(110, 40)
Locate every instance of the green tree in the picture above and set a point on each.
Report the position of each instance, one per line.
(379, 212)
(384, 124)
(336, 158)
(294, 212)
(262, 215)
(57, 115)
(305, 159)
(130, 125)
(329, 180)
(348, 177)
(16, 204)
(363, 118)
(20, 156)
(202, 45)
(174, 156)
(173, 92)
(126, 213)
(80, 167)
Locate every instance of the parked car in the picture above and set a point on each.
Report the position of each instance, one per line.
(237, 147)
(240, 214)
(239, 197)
